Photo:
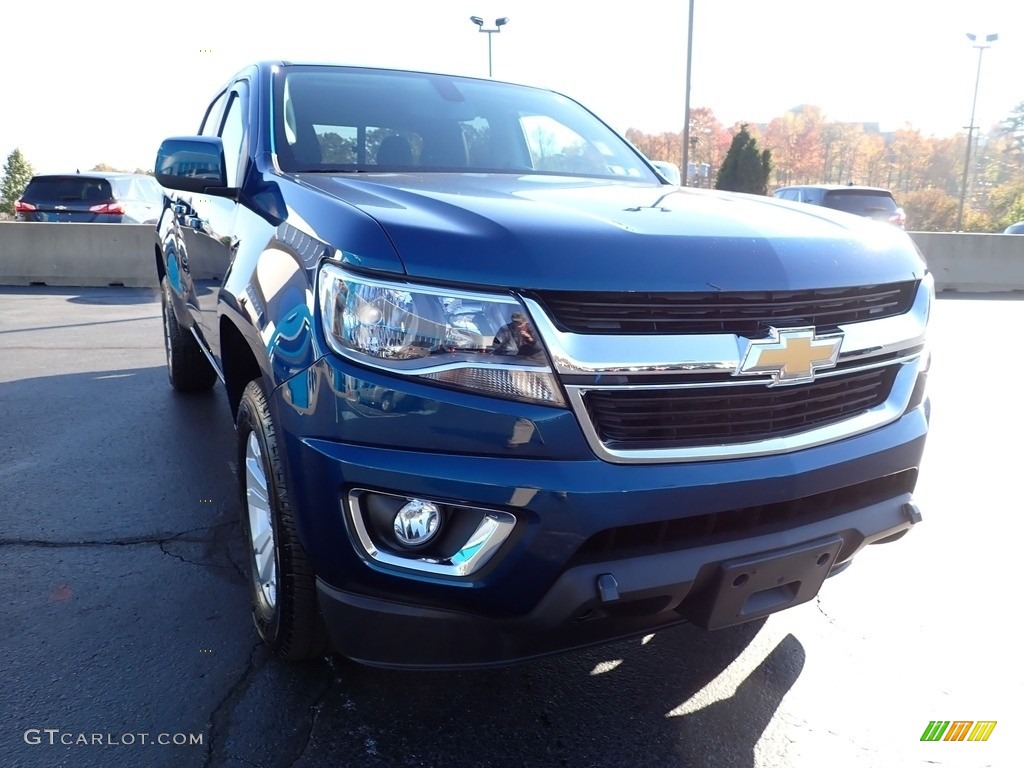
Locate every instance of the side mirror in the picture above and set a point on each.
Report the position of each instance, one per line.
(669, 171)
(192, 164)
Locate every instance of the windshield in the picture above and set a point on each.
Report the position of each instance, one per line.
(365, 120)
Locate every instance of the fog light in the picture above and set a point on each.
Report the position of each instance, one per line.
(417, 523)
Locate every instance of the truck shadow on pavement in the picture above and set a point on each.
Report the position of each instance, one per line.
(111, 295)
(666, 702)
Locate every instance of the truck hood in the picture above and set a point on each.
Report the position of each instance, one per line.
(562, 233)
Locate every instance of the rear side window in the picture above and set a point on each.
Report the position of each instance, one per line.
(122, 188)
(58, 189)
(340, 145)
(860, 202)
(147, 189)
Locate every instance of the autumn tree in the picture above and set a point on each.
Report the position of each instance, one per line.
(658, 146)
(746, 166)
(108, 168)
(709, 141)
(1012, 130)
(943, 163)
(909, 158)
(830, 137)
(1006, 204)
(17, 174)
(808, 149)
(930, 210)
(842, 148)
(873, 163)
(796, 144)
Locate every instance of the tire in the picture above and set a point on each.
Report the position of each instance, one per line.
(188, 370)
(282, 582)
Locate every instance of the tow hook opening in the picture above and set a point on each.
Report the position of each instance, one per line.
(912, 512)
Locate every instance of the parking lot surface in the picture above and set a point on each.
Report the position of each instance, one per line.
(126, 637)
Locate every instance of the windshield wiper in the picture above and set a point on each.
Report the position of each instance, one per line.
(331, 170)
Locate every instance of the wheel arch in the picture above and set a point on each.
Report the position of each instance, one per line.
(161, 270)
(239, 362)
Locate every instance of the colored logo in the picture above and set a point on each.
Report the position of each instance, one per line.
(958, 730)
(791, 355)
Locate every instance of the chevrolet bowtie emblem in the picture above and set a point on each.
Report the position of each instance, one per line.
(791, 355)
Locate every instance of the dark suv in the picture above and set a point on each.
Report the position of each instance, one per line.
(500, 390)
(99, 198)
(872, 202)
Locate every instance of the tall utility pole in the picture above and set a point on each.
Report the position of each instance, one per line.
(498, 24)
(970, 128)
(686, 107)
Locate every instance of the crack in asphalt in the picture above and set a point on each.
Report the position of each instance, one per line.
(128, 542)
(131, 541)
(158, 539)
(822, 611)
(213, 539)
(242, 570)
(220, 717)
(163, 548)
(314, 714)
(164, 541)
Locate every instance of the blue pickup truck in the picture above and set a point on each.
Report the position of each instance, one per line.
(501, 390)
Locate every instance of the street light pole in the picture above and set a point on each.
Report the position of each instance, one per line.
(686, 107)
(970, 128)
(498, 24)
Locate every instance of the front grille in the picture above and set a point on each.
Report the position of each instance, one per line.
(702, 530)
(744, 313)
(650, 419)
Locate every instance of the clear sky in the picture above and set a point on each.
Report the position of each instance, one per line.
(86, 83)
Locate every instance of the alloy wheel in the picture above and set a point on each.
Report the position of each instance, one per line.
(261, 525)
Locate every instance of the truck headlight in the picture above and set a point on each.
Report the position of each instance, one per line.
(474, 341)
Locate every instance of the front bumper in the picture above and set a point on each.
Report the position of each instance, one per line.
(599, 552)
(595, 603)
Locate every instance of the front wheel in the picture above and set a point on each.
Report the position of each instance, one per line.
(282, 581)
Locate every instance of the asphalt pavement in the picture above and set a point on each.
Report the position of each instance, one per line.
(125, 635)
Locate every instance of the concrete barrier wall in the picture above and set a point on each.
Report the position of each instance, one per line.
(973, 263)
(105, 254)
(77, 254)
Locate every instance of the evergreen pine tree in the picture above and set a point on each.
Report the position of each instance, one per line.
(16, 176)
(746, 167)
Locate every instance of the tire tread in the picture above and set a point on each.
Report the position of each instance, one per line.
(297, 631)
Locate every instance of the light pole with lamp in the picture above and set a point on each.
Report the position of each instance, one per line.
(970, 128)
(686, 105)
(498, 24)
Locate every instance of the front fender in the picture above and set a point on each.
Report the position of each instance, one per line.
(274, 310)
